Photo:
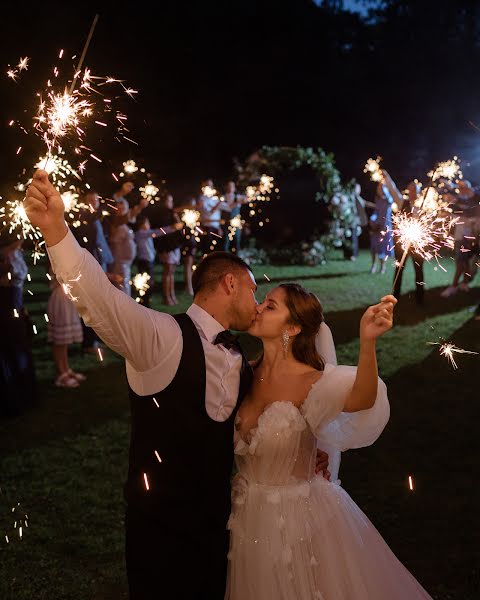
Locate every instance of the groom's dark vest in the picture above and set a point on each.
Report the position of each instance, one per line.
(190, 487)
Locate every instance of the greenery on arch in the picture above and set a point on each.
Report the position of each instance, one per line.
(339, 197)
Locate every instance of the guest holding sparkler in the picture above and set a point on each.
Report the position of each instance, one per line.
(17, 373)
(146, 250)
(189, 246)
(358, 220)
(210, 207)
(123, 191)
(466, 241)
(408, 207)
(231, 240)
(168, 247)
(122, 242)
(381, 243)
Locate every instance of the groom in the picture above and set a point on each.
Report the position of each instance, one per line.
(186, 376)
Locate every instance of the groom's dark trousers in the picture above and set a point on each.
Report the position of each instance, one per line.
(178, 487)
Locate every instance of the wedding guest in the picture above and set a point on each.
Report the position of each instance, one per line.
(168, 247)
(234, 200)
(146, 250)
(381, 243)
(408, 207)
(210, 207)
(358, 221)
(17, 373)
(188, 248)
(126, 188)
(122, 241)
(64, 328)
(466, 243)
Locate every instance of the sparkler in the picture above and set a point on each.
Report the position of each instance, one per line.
(209, 191)
(190, 218)
(235, 223)
(449, 169)
(425, 233)
(15, 217)
(57, 167)
(140, 282)
(149, 191)
(130, 167)
(447, 349)
(372, 167)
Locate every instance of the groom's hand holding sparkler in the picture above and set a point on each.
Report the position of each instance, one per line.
(45, 208)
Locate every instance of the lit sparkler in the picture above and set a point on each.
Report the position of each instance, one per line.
(140, 282)
(447, 349)
(235, 223)
(149, 191)
(209, 191)
(372, 167)
(191, 218)
(57, 167)
(449, 169)
(14, 216)
(130, 167)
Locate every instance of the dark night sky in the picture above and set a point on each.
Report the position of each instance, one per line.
(219, 79)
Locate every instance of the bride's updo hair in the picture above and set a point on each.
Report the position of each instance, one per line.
(306, 312)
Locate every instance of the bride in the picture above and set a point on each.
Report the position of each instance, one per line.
(294, 535)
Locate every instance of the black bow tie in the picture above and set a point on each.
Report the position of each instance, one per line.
(227, 339)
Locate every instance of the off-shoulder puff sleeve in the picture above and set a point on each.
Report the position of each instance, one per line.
(342, 430)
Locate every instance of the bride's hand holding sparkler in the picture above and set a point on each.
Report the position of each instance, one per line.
(377, 319)
(45, 208)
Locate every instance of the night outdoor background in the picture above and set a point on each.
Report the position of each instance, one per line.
(216, 81)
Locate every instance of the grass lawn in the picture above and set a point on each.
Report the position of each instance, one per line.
(65, 459)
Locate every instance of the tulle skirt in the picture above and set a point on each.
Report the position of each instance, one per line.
(309, 541)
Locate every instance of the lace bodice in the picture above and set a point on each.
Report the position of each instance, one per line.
(281, 449)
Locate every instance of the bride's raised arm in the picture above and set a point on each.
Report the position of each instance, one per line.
(376, 321)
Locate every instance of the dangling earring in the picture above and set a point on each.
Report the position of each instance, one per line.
(285, 340)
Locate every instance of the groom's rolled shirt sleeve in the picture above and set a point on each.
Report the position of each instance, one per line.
(147, 339)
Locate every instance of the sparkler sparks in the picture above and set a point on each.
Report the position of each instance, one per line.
(149, 191)
(140, 282)
(209, 191)
(61, 115)
(57, 167)
(424, 233)
(447, 349)
(130, 167)
(372, 167)
(235, 223)
(15, 217)
(449, 169)
(191, 218)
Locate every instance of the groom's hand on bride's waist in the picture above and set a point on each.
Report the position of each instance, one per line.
(321, 464)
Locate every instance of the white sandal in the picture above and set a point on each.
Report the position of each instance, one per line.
(80, 377)
(65, 380)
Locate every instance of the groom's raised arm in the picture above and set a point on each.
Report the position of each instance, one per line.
(144, 337)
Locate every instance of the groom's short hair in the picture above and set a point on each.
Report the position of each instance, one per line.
(215, 266)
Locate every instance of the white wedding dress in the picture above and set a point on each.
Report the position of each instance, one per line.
(294, 535)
